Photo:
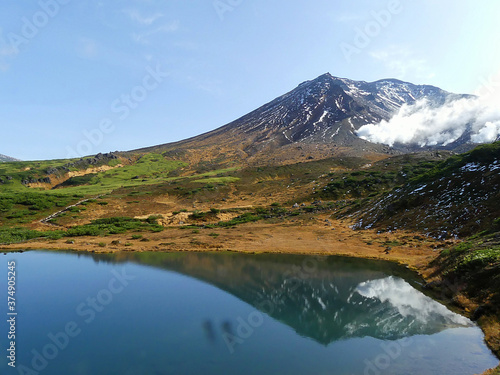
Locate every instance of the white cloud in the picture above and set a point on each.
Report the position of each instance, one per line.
(426, 125)
(489, 88)
(488, 133)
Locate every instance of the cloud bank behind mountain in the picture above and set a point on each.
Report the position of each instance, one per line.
(426, 125)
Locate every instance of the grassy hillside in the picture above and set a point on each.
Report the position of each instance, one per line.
(457, 197)
(30, 191)
(106, 186)
(437, 193)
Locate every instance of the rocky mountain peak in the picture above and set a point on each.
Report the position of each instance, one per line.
(321, 114)
(4, 158)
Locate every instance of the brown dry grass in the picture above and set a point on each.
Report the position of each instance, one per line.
(314, 237)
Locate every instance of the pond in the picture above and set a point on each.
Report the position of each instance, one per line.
(229, 313)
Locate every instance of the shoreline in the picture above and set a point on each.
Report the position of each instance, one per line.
(333, 237)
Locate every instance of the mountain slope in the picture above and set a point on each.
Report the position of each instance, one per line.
(317, 119)
(4, 158)
(458, 197)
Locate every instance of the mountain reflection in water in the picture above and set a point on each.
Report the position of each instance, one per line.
(399, 309)
(323, 298)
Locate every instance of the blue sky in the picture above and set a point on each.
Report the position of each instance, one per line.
(82, 76)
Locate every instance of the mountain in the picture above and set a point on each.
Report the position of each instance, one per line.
(4, 158)
(317, 119)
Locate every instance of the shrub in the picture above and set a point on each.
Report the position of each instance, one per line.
(14, 235)
(197, 215)
(245, 218)
(478, 259)
(55, 235)
(153, 219)
(461, 247)
(496, 222)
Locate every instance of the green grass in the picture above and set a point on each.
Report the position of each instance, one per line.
(153, 168)
(150, 169)
(20, 204)
(463, 246)
(13, 173)
(480, 258)
(16, 235)
(368, 183)
(476, 253)
(247, 217)
(257, 214)
(24, 207)
(99, 227)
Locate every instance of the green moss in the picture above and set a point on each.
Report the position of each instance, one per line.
(461, 247)
(479, 258)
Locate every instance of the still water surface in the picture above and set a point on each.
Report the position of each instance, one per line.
(202, 313)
